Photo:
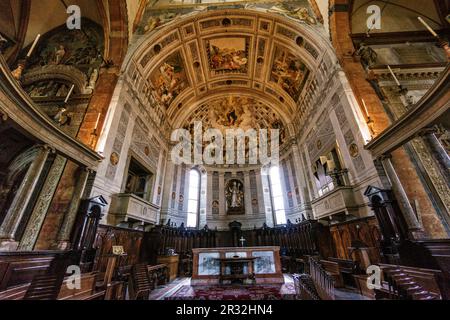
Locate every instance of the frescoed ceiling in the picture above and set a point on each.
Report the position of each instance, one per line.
(235, 112)
(185, 55)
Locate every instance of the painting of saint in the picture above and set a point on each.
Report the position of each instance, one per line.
(289, 72)
(228, 55)
(169, 80)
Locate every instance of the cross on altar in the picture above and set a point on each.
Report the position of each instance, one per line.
(242, 240)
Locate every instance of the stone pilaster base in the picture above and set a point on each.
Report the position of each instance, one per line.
(8, 245)
(61, 245)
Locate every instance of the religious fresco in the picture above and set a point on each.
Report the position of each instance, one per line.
(159, 13)
(81, 49)
(288, 72)
(208, 264)
(228, 54)
(265, 262)
(168, 80)
(299, 10)
(235, 112)
(152, 20)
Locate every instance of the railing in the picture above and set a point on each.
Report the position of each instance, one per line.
(323, 282)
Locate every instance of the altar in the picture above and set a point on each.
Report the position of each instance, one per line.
(262, 265)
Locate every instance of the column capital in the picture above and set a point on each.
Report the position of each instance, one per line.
(385, 157)
(47, 147)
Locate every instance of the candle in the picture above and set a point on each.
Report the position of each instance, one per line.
(96, 123)
(69, 94)
(393, 75)
(365, 108)
(33, 45)
(428, 27)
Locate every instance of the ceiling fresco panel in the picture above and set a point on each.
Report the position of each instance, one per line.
(169, 79)
(228, 55)
(288, 72)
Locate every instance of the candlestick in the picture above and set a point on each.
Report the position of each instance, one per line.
(69, 94)
(393, 75)
(365, 108)
(428, 27)
(96, 123)
(33, 45)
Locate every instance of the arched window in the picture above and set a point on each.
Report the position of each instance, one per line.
(193, 198)
(277, 195)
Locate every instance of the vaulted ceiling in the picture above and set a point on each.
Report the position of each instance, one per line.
(268, 56)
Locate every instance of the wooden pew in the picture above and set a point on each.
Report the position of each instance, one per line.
(332, 268)
(44, 287)
(412, 283)
(14, 293)
(348, 268)
(87, 291)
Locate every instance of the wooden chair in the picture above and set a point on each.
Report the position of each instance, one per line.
(139, 283)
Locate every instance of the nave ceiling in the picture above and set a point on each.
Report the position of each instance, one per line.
(223, 57)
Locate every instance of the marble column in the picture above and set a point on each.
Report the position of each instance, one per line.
(439, 154)
(63, 240)
(209, 195)
(17, 209)
(42, 204)
(411, 220)
(247, 194)
(222, 210)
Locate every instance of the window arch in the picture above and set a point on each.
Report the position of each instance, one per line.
(276, 191)
(193, 198)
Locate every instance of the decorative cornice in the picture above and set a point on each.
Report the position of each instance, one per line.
(432, 105)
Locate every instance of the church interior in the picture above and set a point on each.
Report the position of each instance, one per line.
(97, 98)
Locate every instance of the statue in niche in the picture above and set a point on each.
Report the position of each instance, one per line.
(63, 117)
(235, 197)
(368, 55)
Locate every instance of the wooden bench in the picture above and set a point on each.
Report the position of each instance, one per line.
(14, 293)
(406, 282)
(45, 287)
(332, 268)
(87, 290)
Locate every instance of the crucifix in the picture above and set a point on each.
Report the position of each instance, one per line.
(242, 240)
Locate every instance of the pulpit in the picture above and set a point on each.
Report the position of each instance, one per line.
(217, 265)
